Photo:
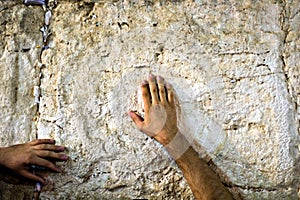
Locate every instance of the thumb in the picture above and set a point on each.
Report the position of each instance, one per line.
(138, 120)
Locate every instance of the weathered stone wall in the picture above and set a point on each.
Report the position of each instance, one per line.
(234, 65)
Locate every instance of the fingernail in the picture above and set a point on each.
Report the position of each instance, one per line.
(151, 77)
(144, 82)
(160, 79)
(62, 148)
(64, 157)
(168, 85)
(131, 114)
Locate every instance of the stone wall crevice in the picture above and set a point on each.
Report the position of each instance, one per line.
(288, 15)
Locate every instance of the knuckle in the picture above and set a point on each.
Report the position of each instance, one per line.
(153, 89)
(162, 95)
(145, 95)
(49, 154)
(28, 159)
(42, 146)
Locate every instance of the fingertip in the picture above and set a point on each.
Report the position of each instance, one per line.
(138, 120)
(56, 169)
(132, 114)
(61, 148)
(151, 78)
(41, 180)
(168, 86)
(52, 141)
(65, 157)
(160, 79)
(144, 83)
(33, 177)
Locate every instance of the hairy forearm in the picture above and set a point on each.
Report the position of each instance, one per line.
(203, 181)
(160, 122)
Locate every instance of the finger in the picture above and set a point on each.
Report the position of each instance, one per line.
(52, 155)
(21, 180)
(50, 147)
(45, 163)
(153, 89)
(33, 177)
(138, 120)
(161, 89)
(170, 92)
(42, 141)
(145, 96)
(17, 179)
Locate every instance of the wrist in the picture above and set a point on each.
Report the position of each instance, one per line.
(2, 156)
(178, 145)
(165, 136)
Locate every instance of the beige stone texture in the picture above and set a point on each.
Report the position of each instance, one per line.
(234, 65)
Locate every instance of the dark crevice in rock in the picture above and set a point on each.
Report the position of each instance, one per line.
(249, 77)
(241, 53)
(15, 83)
(285, 17)
(257, 189)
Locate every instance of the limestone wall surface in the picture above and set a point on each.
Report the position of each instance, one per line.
(234, 65)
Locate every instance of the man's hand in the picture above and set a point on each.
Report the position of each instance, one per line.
(161, 123)
(160, 112)
(17, 160)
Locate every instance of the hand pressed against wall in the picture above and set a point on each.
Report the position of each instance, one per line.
(160, 120)
(17, 160)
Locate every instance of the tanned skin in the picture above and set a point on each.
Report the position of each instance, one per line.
(15, 161)
(159, 106)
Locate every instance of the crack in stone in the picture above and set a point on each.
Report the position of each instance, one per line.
(249, 77)
(37, 89)
(285, 27)
(37, 99)
(241, 53)
(257, 189)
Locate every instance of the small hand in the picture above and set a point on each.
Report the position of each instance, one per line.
(160, 120)
(18, 159)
